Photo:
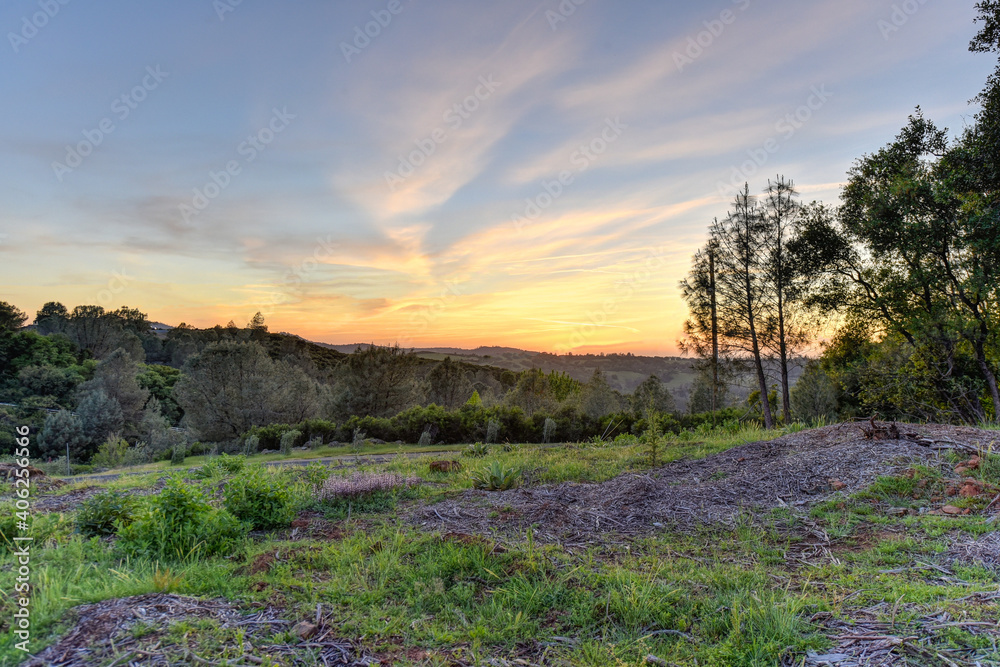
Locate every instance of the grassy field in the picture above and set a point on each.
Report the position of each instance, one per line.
(767, 589)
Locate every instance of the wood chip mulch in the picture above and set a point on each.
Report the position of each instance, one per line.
(101, 636)
(793, 470)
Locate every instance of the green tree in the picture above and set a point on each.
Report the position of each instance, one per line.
(12, 318)
(597, 398)
(742, 286)
(448, 384)
(52, 318)
(117, 377)
(531, 393)
(814, 396)
(61, 430)
(100, 416)
(231, 386)
(652, 394)
(379, 382)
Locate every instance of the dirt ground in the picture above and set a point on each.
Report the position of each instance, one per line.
(796, 469)
(104, 630)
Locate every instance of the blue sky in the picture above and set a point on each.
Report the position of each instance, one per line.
(375, 210)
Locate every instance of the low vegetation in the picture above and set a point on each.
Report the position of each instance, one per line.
(769, 586)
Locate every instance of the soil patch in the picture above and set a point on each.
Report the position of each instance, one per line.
(71, 500)
(103, 632)
(796, 469)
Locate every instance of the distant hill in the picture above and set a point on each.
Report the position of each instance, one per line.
(624, 371)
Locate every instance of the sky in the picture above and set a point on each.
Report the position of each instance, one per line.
(435, 173)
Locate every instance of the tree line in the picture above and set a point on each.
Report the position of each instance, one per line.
(87, 377)
(901, 281)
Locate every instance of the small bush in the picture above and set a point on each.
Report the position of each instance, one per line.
(316, 473)
(180, 524)
(626, 440)
(549, 430)
(492, 431)
(140, 454)
(288, 440)
(495, 477)
(251, 445)
(261, 498)
(221, 465)
(111, 453)
(425, 439)
(177, 455)
(358, 440)
(104, 513)
(476, 450)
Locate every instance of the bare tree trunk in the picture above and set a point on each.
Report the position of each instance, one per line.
(715, 331)
(786, 403)
(758, 363)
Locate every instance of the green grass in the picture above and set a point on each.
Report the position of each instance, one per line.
(738, 595)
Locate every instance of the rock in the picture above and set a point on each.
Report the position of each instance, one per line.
(304, 630)
(970, 489)
(961, 469)
(951, 490)
(951, 509)
(972, 463)
(837, 485)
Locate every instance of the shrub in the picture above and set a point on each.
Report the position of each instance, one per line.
(492, 431)
(261, 498)
(288, 440)
(251, 445)
(316, 473)
(111, 453)
(476, 450)
(138, 455)
(177, 455)
(358, 440)
(221, 465)
(549, 430)
(495, 477)
(61, 430)
(180, 524)
(104, 513)
(425, 439)
(626, 440)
